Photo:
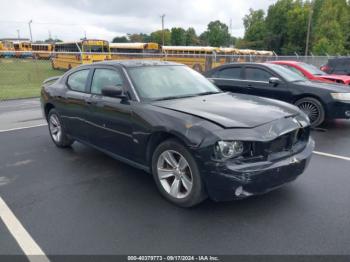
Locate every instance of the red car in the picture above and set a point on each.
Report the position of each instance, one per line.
(312, 72)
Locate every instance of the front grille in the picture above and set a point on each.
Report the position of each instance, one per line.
(286, 143)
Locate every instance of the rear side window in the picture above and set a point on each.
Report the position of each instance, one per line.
(105, 78)
(257, 74)
(77, 80)
(294, 70)
(229, 73)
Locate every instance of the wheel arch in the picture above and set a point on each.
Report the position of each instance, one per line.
(47, 108)
(157, 138)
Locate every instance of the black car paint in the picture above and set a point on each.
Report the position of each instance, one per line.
(129, 129)
(285, 91)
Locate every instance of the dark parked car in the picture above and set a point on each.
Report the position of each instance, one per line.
(337, 66)
(318, 100)
(170, 121)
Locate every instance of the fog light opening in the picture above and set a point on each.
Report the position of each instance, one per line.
(239, 191)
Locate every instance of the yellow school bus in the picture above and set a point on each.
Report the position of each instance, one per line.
(7, 48)
(67, 55)
(226, 55)
(23, 49)
(200, 58)
(120, 51)
(230, 55)
(42, 51)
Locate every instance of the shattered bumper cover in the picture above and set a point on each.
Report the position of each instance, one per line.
(228, 181)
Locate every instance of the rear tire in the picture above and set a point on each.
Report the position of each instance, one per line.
(57, 131)
(176, 174)
(313, 109)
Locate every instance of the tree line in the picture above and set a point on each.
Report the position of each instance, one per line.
(217, 34)
(282, 29)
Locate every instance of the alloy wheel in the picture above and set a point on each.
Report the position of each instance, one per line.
(174, 174)
(55, 128)
(311, 110)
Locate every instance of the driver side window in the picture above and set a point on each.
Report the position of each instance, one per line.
(257, 74)
(103, 78)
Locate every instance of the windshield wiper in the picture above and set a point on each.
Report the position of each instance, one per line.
(186, 96)
(208, 93)
(172, 97)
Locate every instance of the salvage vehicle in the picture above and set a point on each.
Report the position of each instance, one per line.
(319, 101)
(312, 73)
(170, 121)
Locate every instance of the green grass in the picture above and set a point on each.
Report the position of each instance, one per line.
(22, 78)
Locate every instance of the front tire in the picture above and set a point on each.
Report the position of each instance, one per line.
(176, 174)
(313, 109)
(57, 131)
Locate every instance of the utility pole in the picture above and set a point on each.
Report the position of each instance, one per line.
(18, 34)
(309, 29)
(85, 35)
(231, 32)
(50, 37)
(30, 30)
(162, 16)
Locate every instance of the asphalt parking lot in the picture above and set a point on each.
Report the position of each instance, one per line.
(80, 201)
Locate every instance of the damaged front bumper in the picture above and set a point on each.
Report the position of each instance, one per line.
(227, 180)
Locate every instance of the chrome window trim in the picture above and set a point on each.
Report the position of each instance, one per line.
(131, 85)
(243, 80)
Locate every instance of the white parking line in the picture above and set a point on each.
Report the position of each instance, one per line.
(20, 128)
(24, 240)
(332, 155)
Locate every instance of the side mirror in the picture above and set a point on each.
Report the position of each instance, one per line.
(275, 81)
(113, 91)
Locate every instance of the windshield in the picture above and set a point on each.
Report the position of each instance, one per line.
(312, 69)
(286, 73)
(169, 82)
(95, 48)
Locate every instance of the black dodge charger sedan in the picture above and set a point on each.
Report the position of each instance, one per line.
(170, 121)
(318, 100)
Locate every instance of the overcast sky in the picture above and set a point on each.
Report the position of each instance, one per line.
(69, 19)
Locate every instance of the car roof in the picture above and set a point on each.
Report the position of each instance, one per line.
(291, 62)
(137, 63)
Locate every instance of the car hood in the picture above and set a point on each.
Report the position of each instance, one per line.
(231, 110)
(344, 78)
(336, 88)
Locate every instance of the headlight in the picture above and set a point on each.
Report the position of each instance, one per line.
(341, 96)
(228, 149)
